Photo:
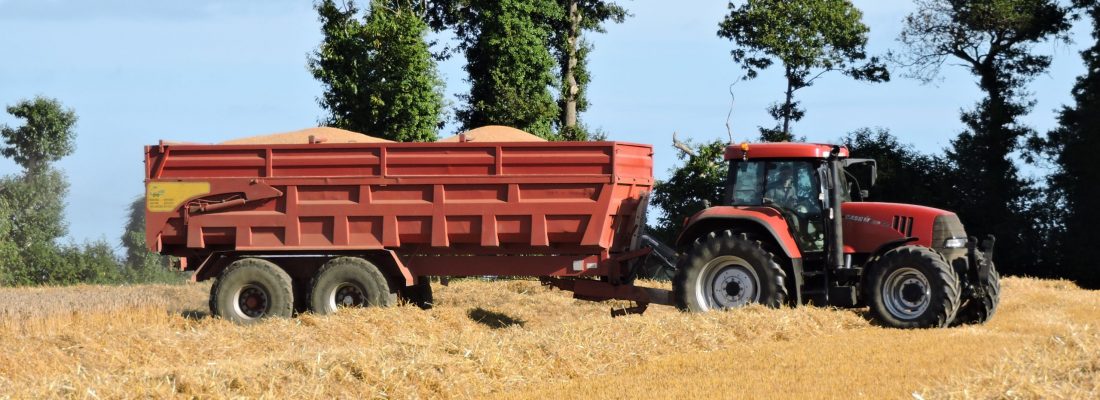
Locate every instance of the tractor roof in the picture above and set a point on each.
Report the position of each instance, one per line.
(781, 150)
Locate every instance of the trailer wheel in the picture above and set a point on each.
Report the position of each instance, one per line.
(419, 294)
(251, 289)
(982, 303)
(912, 287)
(724, 270)
(349, 282)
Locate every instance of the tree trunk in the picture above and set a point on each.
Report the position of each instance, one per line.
(569, 117)
(787, 107)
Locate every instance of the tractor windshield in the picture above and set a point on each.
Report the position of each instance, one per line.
(789, 186)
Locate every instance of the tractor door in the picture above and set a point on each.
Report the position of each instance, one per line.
(792, 187)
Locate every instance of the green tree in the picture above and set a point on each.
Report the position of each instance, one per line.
(47, 135)
(32, 204)
(9, 252)
(35, 207)
(378, 73)
(511, 70)
(994, 40)
(699, 181)
(809, 38)
(572, 50)
(93, 262)
(1074, 182)
(140, 264)
(904, 174)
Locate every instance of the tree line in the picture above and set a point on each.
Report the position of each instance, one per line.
(526, 60)
(526, 63)
(32, 207)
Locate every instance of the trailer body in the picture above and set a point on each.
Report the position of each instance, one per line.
(563, 209)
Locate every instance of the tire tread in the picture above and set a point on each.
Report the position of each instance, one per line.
(713, 244)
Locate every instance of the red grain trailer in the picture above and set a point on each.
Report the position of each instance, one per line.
(317, 226)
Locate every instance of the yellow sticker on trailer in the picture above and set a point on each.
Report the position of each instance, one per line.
(166, 196)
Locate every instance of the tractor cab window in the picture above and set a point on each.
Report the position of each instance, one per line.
(789, 186)
(748, 183)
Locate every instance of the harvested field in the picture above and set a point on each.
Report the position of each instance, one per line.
(516, 339)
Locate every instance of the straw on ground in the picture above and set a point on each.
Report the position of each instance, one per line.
(516, 339)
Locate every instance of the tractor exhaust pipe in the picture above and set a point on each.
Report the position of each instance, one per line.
(836, 253)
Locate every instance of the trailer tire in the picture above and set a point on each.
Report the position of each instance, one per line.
(980, 306)
(251, 289)
(912, 287)
(725, 270)
(419, 294)
(349, 282)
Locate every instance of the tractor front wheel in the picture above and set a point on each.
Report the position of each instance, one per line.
(726, 270)
(912, 287)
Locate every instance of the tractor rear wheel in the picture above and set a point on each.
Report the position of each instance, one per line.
(349, 282)
(727, 270)
(251, 289)
(912, 287)
(982, 303)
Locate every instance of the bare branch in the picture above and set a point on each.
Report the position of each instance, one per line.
(683, 147)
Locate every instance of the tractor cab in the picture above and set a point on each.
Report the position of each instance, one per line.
(801, 181)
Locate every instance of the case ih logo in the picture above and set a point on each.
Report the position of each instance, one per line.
(864, 220)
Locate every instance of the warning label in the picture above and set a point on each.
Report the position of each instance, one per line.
(166, 196)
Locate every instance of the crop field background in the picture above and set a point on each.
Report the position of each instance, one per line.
(516, 339)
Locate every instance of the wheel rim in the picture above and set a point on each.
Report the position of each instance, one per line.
(907, 293)
(727, 282)
(252, 301)
(347, 294)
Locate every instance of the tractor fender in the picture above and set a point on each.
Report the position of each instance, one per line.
(764, 220)
(885, 247)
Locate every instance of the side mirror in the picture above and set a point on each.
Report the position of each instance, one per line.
(864, 161)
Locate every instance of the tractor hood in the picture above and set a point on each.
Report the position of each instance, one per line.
(867, 226)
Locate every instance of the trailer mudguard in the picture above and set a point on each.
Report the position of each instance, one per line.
(762, 219)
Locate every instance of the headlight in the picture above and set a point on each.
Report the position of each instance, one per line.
(955, 243)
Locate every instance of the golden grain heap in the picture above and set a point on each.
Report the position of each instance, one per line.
(516, 339)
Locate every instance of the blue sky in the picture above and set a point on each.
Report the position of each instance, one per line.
(208, 70)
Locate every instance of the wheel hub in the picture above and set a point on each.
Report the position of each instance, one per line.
(912, 292)
(733, 289)
(348, 295)
(728, 282)
(252, 301)
(906, 293)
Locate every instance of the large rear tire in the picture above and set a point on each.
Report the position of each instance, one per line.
(726, 270)
(252, 289)
(982, 303)
(349, 282)
(912, 287)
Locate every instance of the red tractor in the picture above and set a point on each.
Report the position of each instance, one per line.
(790, 232)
